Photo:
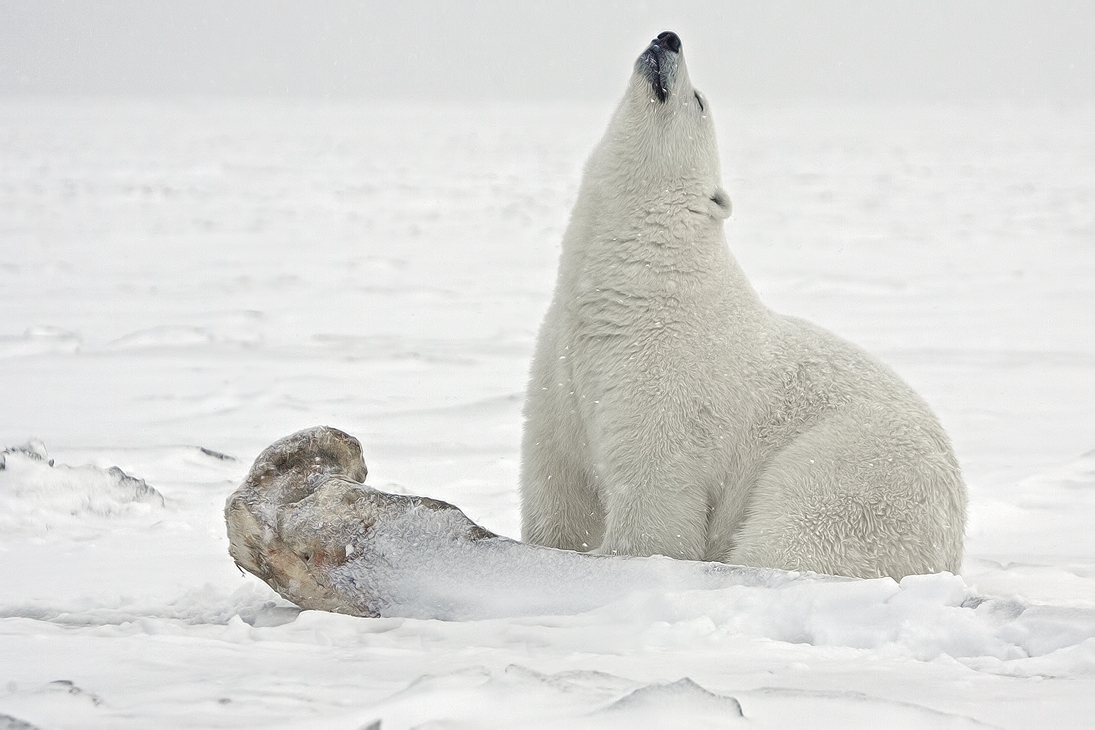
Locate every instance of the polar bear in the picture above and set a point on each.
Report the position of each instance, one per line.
(670, 412)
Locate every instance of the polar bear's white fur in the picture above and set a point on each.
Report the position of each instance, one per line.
(670, 412)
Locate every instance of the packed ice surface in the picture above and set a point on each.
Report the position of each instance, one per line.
(181, 283)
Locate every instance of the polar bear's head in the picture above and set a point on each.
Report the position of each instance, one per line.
(661, 139)
(659, 66)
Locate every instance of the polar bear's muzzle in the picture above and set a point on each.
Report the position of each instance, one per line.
(658, 63)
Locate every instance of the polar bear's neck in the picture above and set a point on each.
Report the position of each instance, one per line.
(656, 156)
(630, 247)
(650, 210)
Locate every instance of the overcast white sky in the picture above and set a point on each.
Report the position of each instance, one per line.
(515, 49)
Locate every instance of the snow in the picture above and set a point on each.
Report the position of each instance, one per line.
(183, 282)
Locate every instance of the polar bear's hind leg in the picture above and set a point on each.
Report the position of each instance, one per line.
(879, 505)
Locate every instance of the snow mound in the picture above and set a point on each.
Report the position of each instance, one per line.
(161, 337)
(39, 496)
(676, 700)
(574, 699)
(61, 698)
(922, 618)
(7, 722)
(40, 341)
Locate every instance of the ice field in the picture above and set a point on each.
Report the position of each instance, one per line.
(183, 282)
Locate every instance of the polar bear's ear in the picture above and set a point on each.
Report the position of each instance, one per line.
(721, 207)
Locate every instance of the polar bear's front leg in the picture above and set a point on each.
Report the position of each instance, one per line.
(559, 503)
(641, 524)
(655, 503)
(559, 507)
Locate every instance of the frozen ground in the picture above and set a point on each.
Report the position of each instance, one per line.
(183, 282)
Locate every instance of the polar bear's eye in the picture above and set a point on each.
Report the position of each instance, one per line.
(699, 100)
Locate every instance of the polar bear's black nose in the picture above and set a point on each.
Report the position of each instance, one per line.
(669, 39)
